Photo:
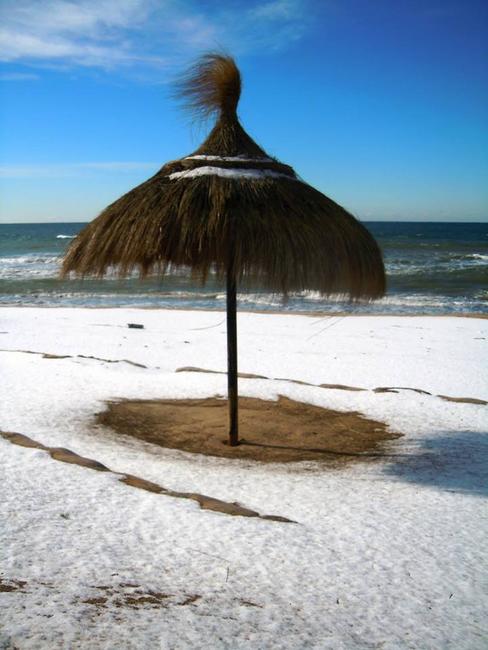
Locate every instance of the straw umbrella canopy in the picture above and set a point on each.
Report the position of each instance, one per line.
(231, 209)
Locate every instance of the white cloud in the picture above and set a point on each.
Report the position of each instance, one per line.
(275, 10)
(81, 17)
(72, 169)
(18, 76)
(16, 46)
(86, 32)
(150, 33)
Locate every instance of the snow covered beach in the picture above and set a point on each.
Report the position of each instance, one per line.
(386, 553)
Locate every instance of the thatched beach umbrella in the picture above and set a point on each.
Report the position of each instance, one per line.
(231, 209)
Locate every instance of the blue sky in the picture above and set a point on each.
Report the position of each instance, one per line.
(381, 105)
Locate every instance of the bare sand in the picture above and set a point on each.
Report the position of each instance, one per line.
(270, 431)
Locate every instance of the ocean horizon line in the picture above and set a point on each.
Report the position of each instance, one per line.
(410, 221)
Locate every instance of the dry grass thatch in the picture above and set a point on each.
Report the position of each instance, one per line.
(230, 207)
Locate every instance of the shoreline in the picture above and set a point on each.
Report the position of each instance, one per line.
(274, 312)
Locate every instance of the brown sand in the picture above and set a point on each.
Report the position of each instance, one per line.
(281, 431)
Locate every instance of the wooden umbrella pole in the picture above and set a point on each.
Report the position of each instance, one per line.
(232, 358)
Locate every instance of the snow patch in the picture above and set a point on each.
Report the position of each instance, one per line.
(229, 158)
(229, 173)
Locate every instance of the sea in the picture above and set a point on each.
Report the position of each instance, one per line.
(432, 268)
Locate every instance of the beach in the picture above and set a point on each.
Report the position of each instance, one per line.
(384, 550)
(243, 344)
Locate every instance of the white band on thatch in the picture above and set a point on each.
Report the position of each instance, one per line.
(229, 158)
(229, 173)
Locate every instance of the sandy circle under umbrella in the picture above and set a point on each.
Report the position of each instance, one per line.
(272, 431)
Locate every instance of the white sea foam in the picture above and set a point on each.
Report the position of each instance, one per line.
(479, 256)
(29, 266)
(29, 259)
(439, 262)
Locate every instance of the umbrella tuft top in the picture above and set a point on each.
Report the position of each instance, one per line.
(212, 85)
